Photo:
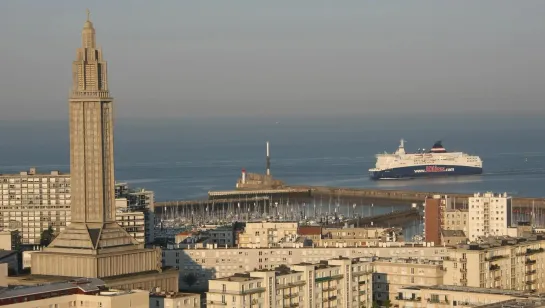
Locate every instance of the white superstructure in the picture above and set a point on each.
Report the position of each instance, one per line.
(437, 161)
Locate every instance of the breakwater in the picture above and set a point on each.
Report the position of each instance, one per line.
(404, 196)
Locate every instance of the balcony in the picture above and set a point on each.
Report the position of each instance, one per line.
(291, 295)
(530, 251)
(410, 299)
(530, 282)
(462, 260)
(238, 292)
(328, 299)
(290, 285)
(494, 267)
(531, 272)
(215, 303)
(530, 262)
(494, 258)
(330, 278)
(463, 270)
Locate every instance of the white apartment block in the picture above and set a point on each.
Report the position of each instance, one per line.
(489, 215)
(30, 202)
(515, 264)
(396, 273)
(340, 282)
(208, 263)
(267, 234)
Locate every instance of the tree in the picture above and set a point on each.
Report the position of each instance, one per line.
(386, 303)
(189, 279)
(47, 236)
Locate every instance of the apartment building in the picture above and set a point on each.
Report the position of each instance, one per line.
(332, 237)
(134, 222)
(456, 296)
(456, 219)
(489, 215)
(89, 292)
(340, 282)
(267, 234)
(142, 201)
(395, 273)
(434, 209)
(30, 202)
(500, 263)
(160, 299)
(208, 263)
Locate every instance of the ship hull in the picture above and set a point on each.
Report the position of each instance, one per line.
(424, 171)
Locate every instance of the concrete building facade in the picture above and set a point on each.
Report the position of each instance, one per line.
(489, 215)
(455, 296)
(174, 300)
(30, 202)
(392, 274)
(208, 263)
(267, 234)
(507, 264)
(434, 209)
(340, 282)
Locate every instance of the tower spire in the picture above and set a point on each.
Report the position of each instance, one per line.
(88, 33)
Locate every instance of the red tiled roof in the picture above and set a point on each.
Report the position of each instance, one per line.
(309, 230)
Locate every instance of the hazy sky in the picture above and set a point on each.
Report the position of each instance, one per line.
(192, 58)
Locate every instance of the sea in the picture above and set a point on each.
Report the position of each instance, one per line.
(183, 159)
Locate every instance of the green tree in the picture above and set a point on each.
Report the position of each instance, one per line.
(47, 236)
(386, 303)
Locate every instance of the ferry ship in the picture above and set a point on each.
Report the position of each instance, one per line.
(432, 163)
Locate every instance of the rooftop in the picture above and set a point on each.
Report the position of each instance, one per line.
(85, 284)
(470, 290)
(517, 303)
(173, 294)
(309, 230)
(453, 233)
(238, 278)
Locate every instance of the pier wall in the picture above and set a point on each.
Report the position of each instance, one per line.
(357, 195)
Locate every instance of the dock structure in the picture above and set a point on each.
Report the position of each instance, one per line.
(395, 218)
(271, 193)
(161, 205)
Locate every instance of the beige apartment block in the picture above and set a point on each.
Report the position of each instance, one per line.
(395, 273)
(354, 237)
(174, 300)
(340, 282)
(106, 299)
(267, 234)
(456, 219)
(30, 202)
(503, 263)
(94, 245)
(206, 263)
(455, 296)
(134, 222)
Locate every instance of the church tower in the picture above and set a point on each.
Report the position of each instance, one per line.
(94, 245)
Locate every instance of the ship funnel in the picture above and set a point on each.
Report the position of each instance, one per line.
(243, 176)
